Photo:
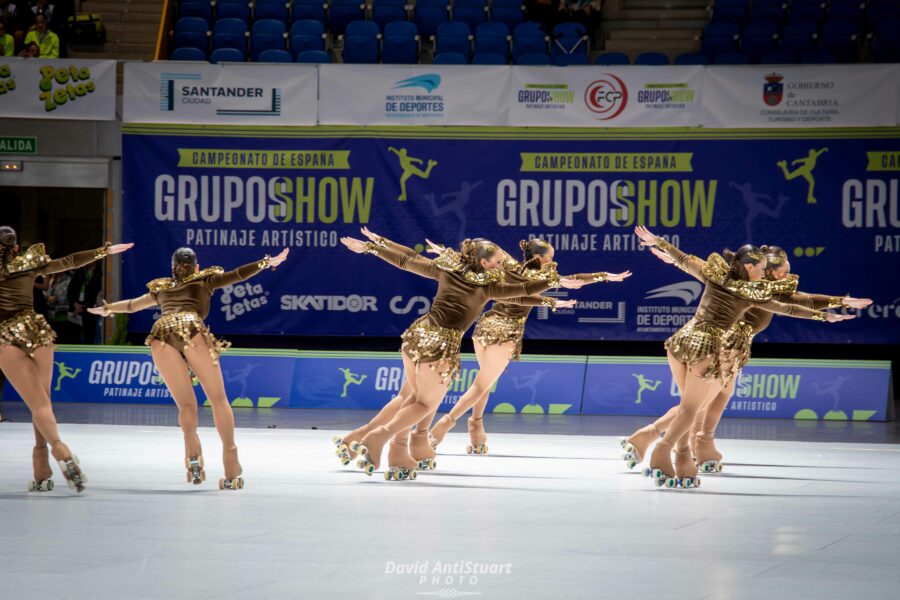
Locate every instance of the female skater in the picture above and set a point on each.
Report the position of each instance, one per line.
(466, 282)
(702, 363)
(180, 342)
(738, 339)
(26, 348)
(498, 340)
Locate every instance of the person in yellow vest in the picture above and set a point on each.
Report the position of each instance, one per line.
(7, 43)
(43, 37)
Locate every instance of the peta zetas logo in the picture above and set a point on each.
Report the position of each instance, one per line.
(239, 299)
(76, 83)
(606, 97)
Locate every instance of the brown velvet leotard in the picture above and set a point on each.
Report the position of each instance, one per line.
(725, 302)
(185, 303)
(20, 326)
(435, 337)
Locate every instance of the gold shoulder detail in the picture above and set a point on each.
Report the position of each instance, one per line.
(485, 277)
(785, 286)
(34, 257)
(168, 283)
(716, 270)
(449, 260)
(547, 272)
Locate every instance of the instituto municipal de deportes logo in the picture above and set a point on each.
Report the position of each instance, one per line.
(428, 82)
(249, 101)
(773, 90)
(407, 102)
(606, 97)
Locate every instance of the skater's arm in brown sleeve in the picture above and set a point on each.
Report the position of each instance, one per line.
(532, 301)
(515, 290)
(792, 310)
(588, 277)
(688, 263)
(240, 274)
(403, 258)
(73, 261)
(133, 305)
(816, 301)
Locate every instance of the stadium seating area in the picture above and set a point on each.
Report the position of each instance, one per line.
(494, 32)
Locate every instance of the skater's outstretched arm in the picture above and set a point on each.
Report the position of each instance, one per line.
(79, 259)
(125, 306)
(801, 312)
(688, 263)
(514, 290)
(548, 301)
(245, 271)
(589, 278)
(823, 301)
(407, 260)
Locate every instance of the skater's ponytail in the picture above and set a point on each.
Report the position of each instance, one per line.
(473, 251)
(748, 254)
(7, 246)
(184, 263)
(776, 256)
(533, 250)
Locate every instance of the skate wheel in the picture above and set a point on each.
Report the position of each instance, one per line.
(345, 461)
(647, 472)
(696, 482)
(412, 475)
(719, 467)
(359, 448)
(670, 482)
(631, 464)
(336, 440)
(469, 449)
(658, 474)
(623, 441)
(629, 448)
(370, 468)
(658, 482)
(388, 475)
(484, 449)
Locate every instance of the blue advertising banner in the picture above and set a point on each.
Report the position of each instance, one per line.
(127, 375)
(538, 384)
(535, 385)
(829, 197)
(784, 389)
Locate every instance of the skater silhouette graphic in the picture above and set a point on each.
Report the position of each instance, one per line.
(530, 383)
(64, 373)
(756, 207)
(645, 384)
(456, 206)
(832, 388)
(804, 169)
(241, 376)
(350, 378)
(408, 164)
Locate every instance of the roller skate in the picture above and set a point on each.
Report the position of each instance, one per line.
(402, 466)
(40, 460)
(635, 447)
(69, 466)
(421, 450)
(235, 481)
(195, 472)
(344, 444)
(709, 460)
(661, 469)
(369, 449)
(477, 436)
(685, 468)
(440, 429)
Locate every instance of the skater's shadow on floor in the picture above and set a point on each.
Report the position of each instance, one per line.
(736, 476)
(756, 495)
(480, 475)
(526, 456)
(146, 491)
(421, 482)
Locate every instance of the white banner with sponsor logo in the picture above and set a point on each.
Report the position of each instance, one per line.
(413, 95)
(252, 94)
(606, 96)
(35, 88)
(801, 96)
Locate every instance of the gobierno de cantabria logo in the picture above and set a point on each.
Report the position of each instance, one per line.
(185, 89)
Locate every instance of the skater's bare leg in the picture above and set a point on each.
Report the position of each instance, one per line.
(174, 371)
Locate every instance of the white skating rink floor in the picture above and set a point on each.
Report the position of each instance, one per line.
(548, 516)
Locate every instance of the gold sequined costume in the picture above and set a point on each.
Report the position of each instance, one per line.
(505, 322)
(462, 293)
(708, 340)
(185, 303)
(20, 326)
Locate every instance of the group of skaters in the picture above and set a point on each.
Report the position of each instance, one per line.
(743, 290)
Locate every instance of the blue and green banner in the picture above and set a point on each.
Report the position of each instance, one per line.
(539, 384)
(830, 197)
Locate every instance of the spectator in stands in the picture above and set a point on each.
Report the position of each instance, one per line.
(7, 43)
(11, 17)
(45, 39)
(83, 292)
(586, 12)
(31, 50)
(42, 7)
(66, 325)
